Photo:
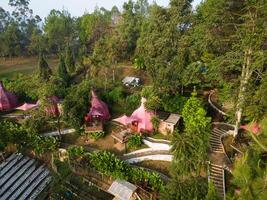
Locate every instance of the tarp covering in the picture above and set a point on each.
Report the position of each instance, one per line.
(27, 106)
(8, 100)
(98, 109)
(140, 115)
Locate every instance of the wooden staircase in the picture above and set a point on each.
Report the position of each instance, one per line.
(216, 175)
(216, 140)
(216, 171)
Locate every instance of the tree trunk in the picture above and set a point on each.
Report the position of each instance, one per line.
(113, 75)
(245, 76)
(58, 127)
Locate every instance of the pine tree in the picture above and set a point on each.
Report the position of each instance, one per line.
(70, 60)
(62, 71)
(44, 71)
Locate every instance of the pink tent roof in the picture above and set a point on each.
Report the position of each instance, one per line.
(141, 115)
(253, 127)
(98, 108)
(125, 120)
(8, 100)
(144, 117)
(27, 106)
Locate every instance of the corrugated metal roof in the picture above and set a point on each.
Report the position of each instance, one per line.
(173, 118)
(122, 189)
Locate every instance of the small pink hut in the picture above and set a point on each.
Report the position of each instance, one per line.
(98, 110)
(8, 100)
(97, 115)
(140, 120)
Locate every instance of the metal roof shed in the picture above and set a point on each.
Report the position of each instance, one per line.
(122, 189)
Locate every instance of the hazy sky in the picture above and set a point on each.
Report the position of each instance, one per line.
(76, 7)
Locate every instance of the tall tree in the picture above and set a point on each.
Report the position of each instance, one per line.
(44, 71)
(59, 28)
(62, 71)
(70, 60)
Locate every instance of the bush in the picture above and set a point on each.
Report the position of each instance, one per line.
(135, 141)
(132, 102)
(108, 164)
(155, 122)
(115, 95)
(97, 135)
(75, 152)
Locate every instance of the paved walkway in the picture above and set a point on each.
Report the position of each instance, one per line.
(56, 133)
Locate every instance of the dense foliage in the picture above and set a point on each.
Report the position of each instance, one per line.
(221, 44)
(135, 141)
(12, 133)
(108, 164)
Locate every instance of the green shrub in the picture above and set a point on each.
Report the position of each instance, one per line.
(75, 152)
(96, 135)
(108, 164)
(155, 122)
(135, 141)
(132, 102)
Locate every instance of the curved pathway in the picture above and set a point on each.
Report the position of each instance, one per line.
(56, 133)
(214, 106)
(158, 150)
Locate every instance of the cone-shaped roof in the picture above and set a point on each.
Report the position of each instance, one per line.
(8, 100)
(141, 115)
(144, 117)
(98, 108)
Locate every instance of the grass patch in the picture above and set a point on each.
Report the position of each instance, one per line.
(161, 136)
(9, 68)
(160, 166)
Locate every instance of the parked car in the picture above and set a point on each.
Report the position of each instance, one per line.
(130, 81)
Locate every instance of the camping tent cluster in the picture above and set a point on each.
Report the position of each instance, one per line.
(8, 100)
(140, 118)
(99, 109)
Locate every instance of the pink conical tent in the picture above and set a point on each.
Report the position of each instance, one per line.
(98, 108)
(140, 115)
(125, 120)
(27, 106)
(144, 117)
(8, 100)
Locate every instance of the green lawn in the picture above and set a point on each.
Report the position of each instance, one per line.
(10, 67)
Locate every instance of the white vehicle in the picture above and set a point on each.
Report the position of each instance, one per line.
(131, 81)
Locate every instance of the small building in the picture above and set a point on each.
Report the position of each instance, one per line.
(168, 122)
(131, 81)
(122, 190)
(139, 121)
(97, 115)
(121, 136)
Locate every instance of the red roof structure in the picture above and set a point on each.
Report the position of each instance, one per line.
(141, 117)
(99, 109)
(8, 100)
